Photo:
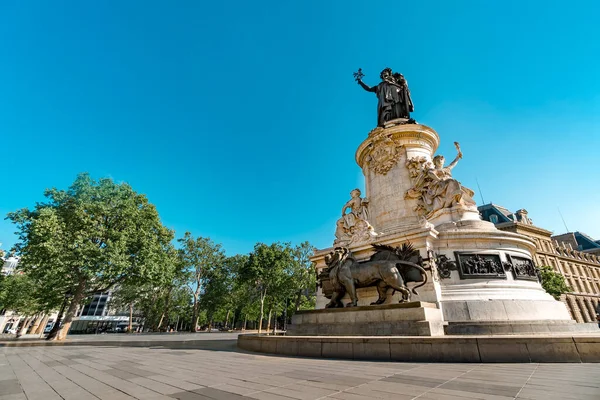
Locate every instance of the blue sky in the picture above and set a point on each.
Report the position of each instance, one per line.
(240, 120)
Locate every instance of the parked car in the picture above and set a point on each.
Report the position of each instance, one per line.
(48, 327)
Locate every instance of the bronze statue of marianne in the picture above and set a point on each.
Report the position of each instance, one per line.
(393, 96)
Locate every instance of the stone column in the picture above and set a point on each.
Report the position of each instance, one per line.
(574, 308)
(382, 157)
(583, 310)
(591, 309)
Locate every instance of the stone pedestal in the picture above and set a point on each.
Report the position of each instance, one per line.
(477, 274)
(382, 157)
(407, 319)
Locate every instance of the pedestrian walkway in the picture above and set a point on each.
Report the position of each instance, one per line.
(222, 372)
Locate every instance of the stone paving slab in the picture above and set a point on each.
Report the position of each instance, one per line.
(153, 373)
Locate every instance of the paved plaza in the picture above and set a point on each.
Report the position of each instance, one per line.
(216, 369)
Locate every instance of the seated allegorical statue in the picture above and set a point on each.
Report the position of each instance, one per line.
(354, 226)
(358, 209)
(437, 189)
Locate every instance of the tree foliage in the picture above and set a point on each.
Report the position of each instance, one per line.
(553, 282)
(281, 275)
(202, 259)
(99, 235)
(91, 237)
(18, 292)
(305, 277)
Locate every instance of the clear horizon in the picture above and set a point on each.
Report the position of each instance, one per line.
(240, 122)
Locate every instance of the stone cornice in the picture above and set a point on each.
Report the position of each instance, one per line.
(525, 227)
(568, 258)
(406, 135)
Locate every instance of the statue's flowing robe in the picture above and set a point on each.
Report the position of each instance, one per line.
(393, 102)
(389, 104)
(444, 191)
(406, 104)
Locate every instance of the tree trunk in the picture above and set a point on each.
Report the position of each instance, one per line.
(42, 325)
(245, 322)
(77, 297)
(195, 311)
(55, 327)
(269, 319)
(23, 329)
(166, 309)
(130, 327)
(298, 300)
(227, 318)
(262, 310)
(274, 320)
(36, 323)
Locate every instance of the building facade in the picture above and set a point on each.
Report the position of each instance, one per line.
(578, 262)
(96, 316)
(13, 322)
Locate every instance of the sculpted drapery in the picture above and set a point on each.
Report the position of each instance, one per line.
(393, 97)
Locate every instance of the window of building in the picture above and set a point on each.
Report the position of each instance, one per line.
(494, 219)
(574, 269)
(542, 261)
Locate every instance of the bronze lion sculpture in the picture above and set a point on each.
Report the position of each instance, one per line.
(346, 275)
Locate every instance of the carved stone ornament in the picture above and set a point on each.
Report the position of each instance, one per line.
(444, 266)
(385, 155)
(480, 266)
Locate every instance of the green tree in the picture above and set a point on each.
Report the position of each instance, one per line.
(553, 282)
(267, 268)
(217, 292)
(18, 293)
(177, 278)
(93, 236)
(220, 299)
(200, 257)
(180, 309)
(304, 277)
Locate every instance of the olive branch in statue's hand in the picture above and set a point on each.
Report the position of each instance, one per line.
(358, 75)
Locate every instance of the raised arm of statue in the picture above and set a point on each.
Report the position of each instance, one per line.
(454, 162)
(365, 86)
(458, 156)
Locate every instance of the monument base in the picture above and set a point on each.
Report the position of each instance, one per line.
(519, 327)
(472, 349)
(404, 319)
